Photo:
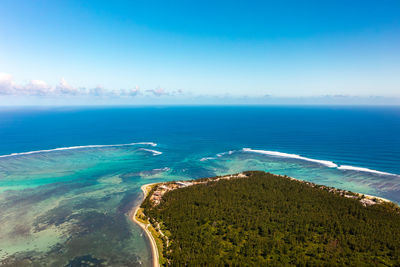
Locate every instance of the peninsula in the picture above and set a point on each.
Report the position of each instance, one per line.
(258, 218)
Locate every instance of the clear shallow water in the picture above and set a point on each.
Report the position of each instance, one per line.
(63, 206)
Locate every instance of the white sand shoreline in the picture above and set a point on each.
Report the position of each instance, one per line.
(154, 249)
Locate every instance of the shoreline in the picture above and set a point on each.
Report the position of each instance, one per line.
(365, 196)
(153, 244)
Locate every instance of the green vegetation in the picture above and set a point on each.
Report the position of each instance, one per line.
(159, 243)
(141, 217)
(270, 220)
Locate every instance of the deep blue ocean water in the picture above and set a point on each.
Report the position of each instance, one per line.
(76, 200)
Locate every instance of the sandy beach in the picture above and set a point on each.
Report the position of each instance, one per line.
(154, 250)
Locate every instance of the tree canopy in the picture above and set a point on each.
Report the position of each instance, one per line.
(266, 219)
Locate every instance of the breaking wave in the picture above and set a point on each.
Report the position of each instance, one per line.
(327, 163)
(74, 147)
(225, 153)
(207, 158)
(218, 155)
(155, 152)
(165, 169)
(360, 169)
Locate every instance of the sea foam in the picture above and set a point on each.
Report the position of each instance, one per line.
(165, 169)
(360, 169)
(207, 158)
(155, 152)
(218, 155)
(327, 163)
(225, 153)
(74, 147)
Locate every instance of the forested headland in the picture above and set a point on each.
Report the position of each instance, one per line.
(266, 219)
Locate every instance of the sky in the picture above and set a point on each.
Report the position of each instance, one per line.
(144, 52)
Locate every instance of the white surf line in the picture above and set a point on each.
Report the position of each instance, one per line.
(165, 169)
(155, 152)
(218, 155)
(324, 162)
(206, 158)
(75, 147)
(327, 163)
(361, 169)
(225, 153)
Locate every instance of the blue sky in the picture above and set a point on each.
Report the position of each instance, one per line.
(136, 51)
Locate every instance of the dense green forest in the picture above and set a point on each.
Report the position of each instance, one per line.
(270, 220)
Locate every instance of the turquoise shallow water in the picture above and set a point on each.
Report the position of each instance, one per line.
(61, 207)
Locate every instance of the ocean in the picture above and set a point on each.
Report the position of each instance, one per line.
(69, 176)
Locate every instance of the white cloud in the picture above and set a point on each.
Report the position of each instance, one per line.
(128, 93)
(97, 91)
(158, 91)
(40, 88)
(37, 87)
(64, 88)
(7, 85)
(162, 92)
(34, 87)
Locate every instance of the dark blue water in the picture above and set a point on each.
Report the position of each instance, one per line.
(358, 136)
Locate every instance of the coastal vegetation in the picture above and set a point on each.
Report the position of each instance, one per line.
(258, 218)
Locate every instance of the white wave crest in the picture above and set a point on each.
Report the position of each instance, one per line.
(206, 158)
(145, 143)
(74, 147)
(324, 162)
(225, 153)
(360, 169)
(218, 155)
(327, 163)
(155, 152)
(165, 169)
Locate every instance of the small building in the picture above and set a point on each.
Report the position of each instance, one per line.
(183, 184)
